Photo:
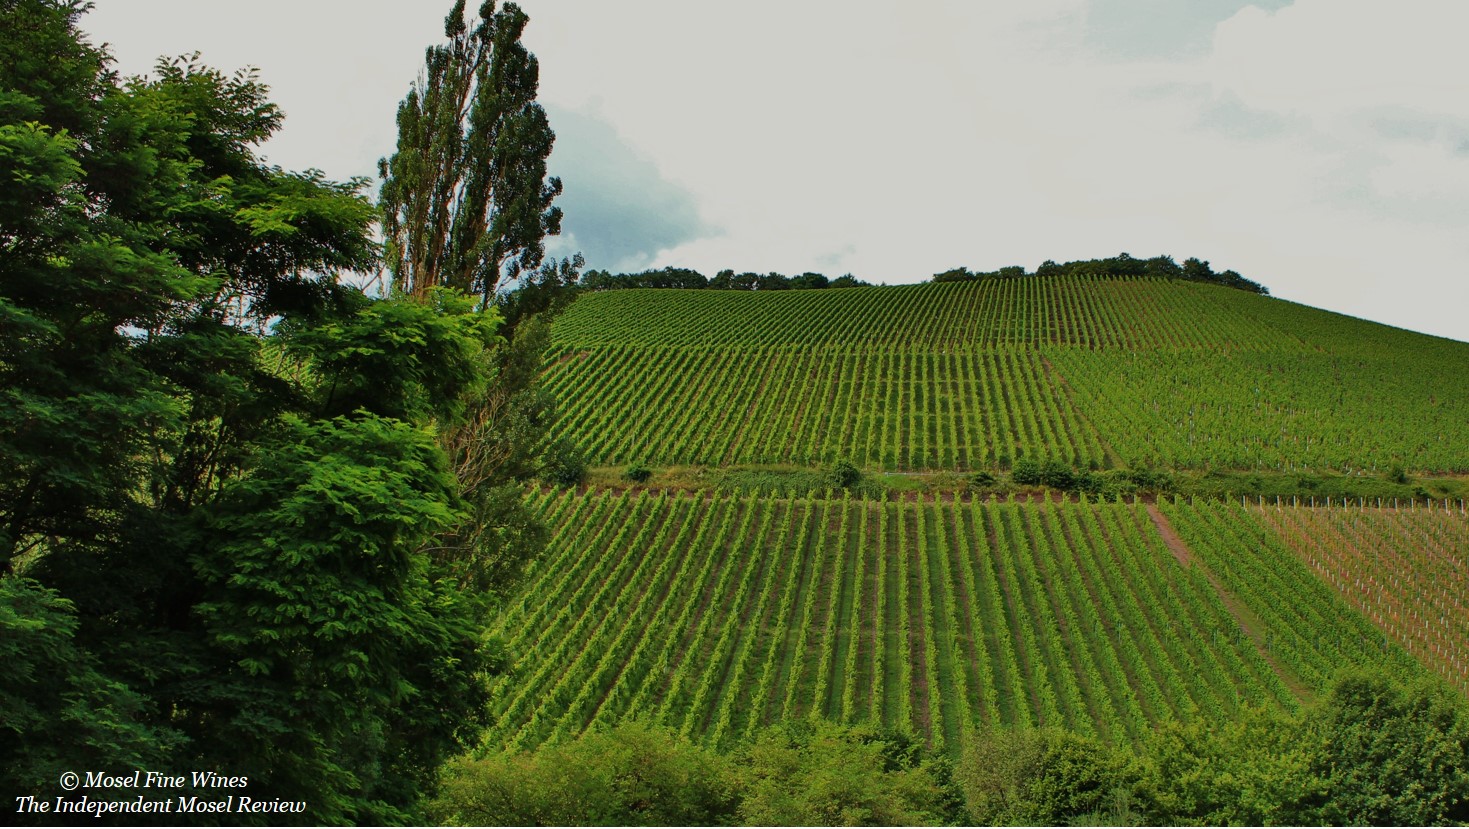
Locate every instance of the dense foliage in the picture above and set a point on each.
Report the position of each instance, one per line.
(1371, 752)
(725, 280)
(237, 532)
(797, 774)
(1122, 265)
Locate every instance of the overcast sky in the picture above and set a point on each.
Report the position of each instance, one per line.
(1318, 146)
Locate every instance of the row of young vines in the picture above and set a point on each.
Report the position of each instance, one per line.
(717, 613)
(1094, 312)
(879, 408)
(912, 409)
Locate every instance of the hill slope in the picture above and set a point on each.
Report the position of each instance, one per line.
(715, 614)
(1094, 372)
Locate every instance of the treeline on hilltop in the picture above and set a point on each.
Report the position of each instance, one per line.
(725, 280)
(1123, 264)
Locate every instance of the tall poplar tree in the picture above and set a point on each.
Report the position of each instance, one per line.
(465, 198)
(466, 205)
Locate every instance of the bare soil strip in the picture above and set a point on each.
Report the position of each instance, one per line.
(1248, 621)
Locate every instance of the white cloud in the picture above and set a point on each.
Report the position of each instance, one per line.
(1328, 58)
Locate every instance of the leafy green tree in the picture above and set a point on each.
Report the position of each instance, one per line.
(1373, 752)
(58, 711)
(465, 199)
(564, 464)
(1042, 777)
(819, 774)
(843, 475)
(632, 774)
(1253, 771)
(466, 204)
(809, 280)
(1390, 754)
(224, 480)
(1028, 472)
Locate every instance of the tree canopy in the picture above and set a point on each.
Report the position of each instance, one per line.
(465, 198)
(1162, 267)
(225, 488)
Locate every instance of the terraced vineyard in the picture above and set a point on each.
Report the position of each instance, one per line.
(1091, 372)
(714, 613)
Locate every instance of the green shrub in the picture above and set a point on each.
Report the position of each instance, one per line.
(630, 775)
(563, 464)
(807, 773)
(1146, 479)
(1027, 472)
(637, 473)
(1391, 754)
(1058, 475)
(982, 480)
(1039, 777)
(843, 475)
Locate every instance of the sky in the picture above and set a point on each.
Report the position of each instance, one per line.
(1320, 147)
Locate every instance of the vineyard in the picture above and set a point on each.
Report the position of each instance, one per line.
(963, 376)
(1092, 312)
(1405, 569)
(714, 613)
(886, 408)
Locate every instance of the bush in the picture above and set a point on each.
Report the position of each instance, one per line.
(631, 775)
(982, 480)
(1058, 475)
(1149, 480)
(1373, 753)
(843, 475)
(1027, 472)
(1038, 777)
(1391, 754)
(637, 473)
(805, 773)
(563, 464)
(1397, 474)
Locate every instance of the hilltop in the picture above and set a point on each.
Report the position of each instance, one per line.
(1091, 372)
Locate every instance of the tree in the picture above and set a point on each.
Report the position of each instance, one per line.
(1390, 754)
(631, 774)
(465, 199)
(1037, 777)
(815, 773)
(466, 205)
(223, 483)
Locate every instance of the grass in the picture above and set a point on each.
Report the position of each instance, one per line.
(788, 479)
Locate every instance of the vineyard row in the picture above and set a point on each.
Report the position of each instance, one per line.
(913, 409)
(715, 614)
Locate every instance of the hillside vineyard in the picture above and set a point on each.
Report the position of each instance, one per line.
(716, 613)
(1092, 372)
